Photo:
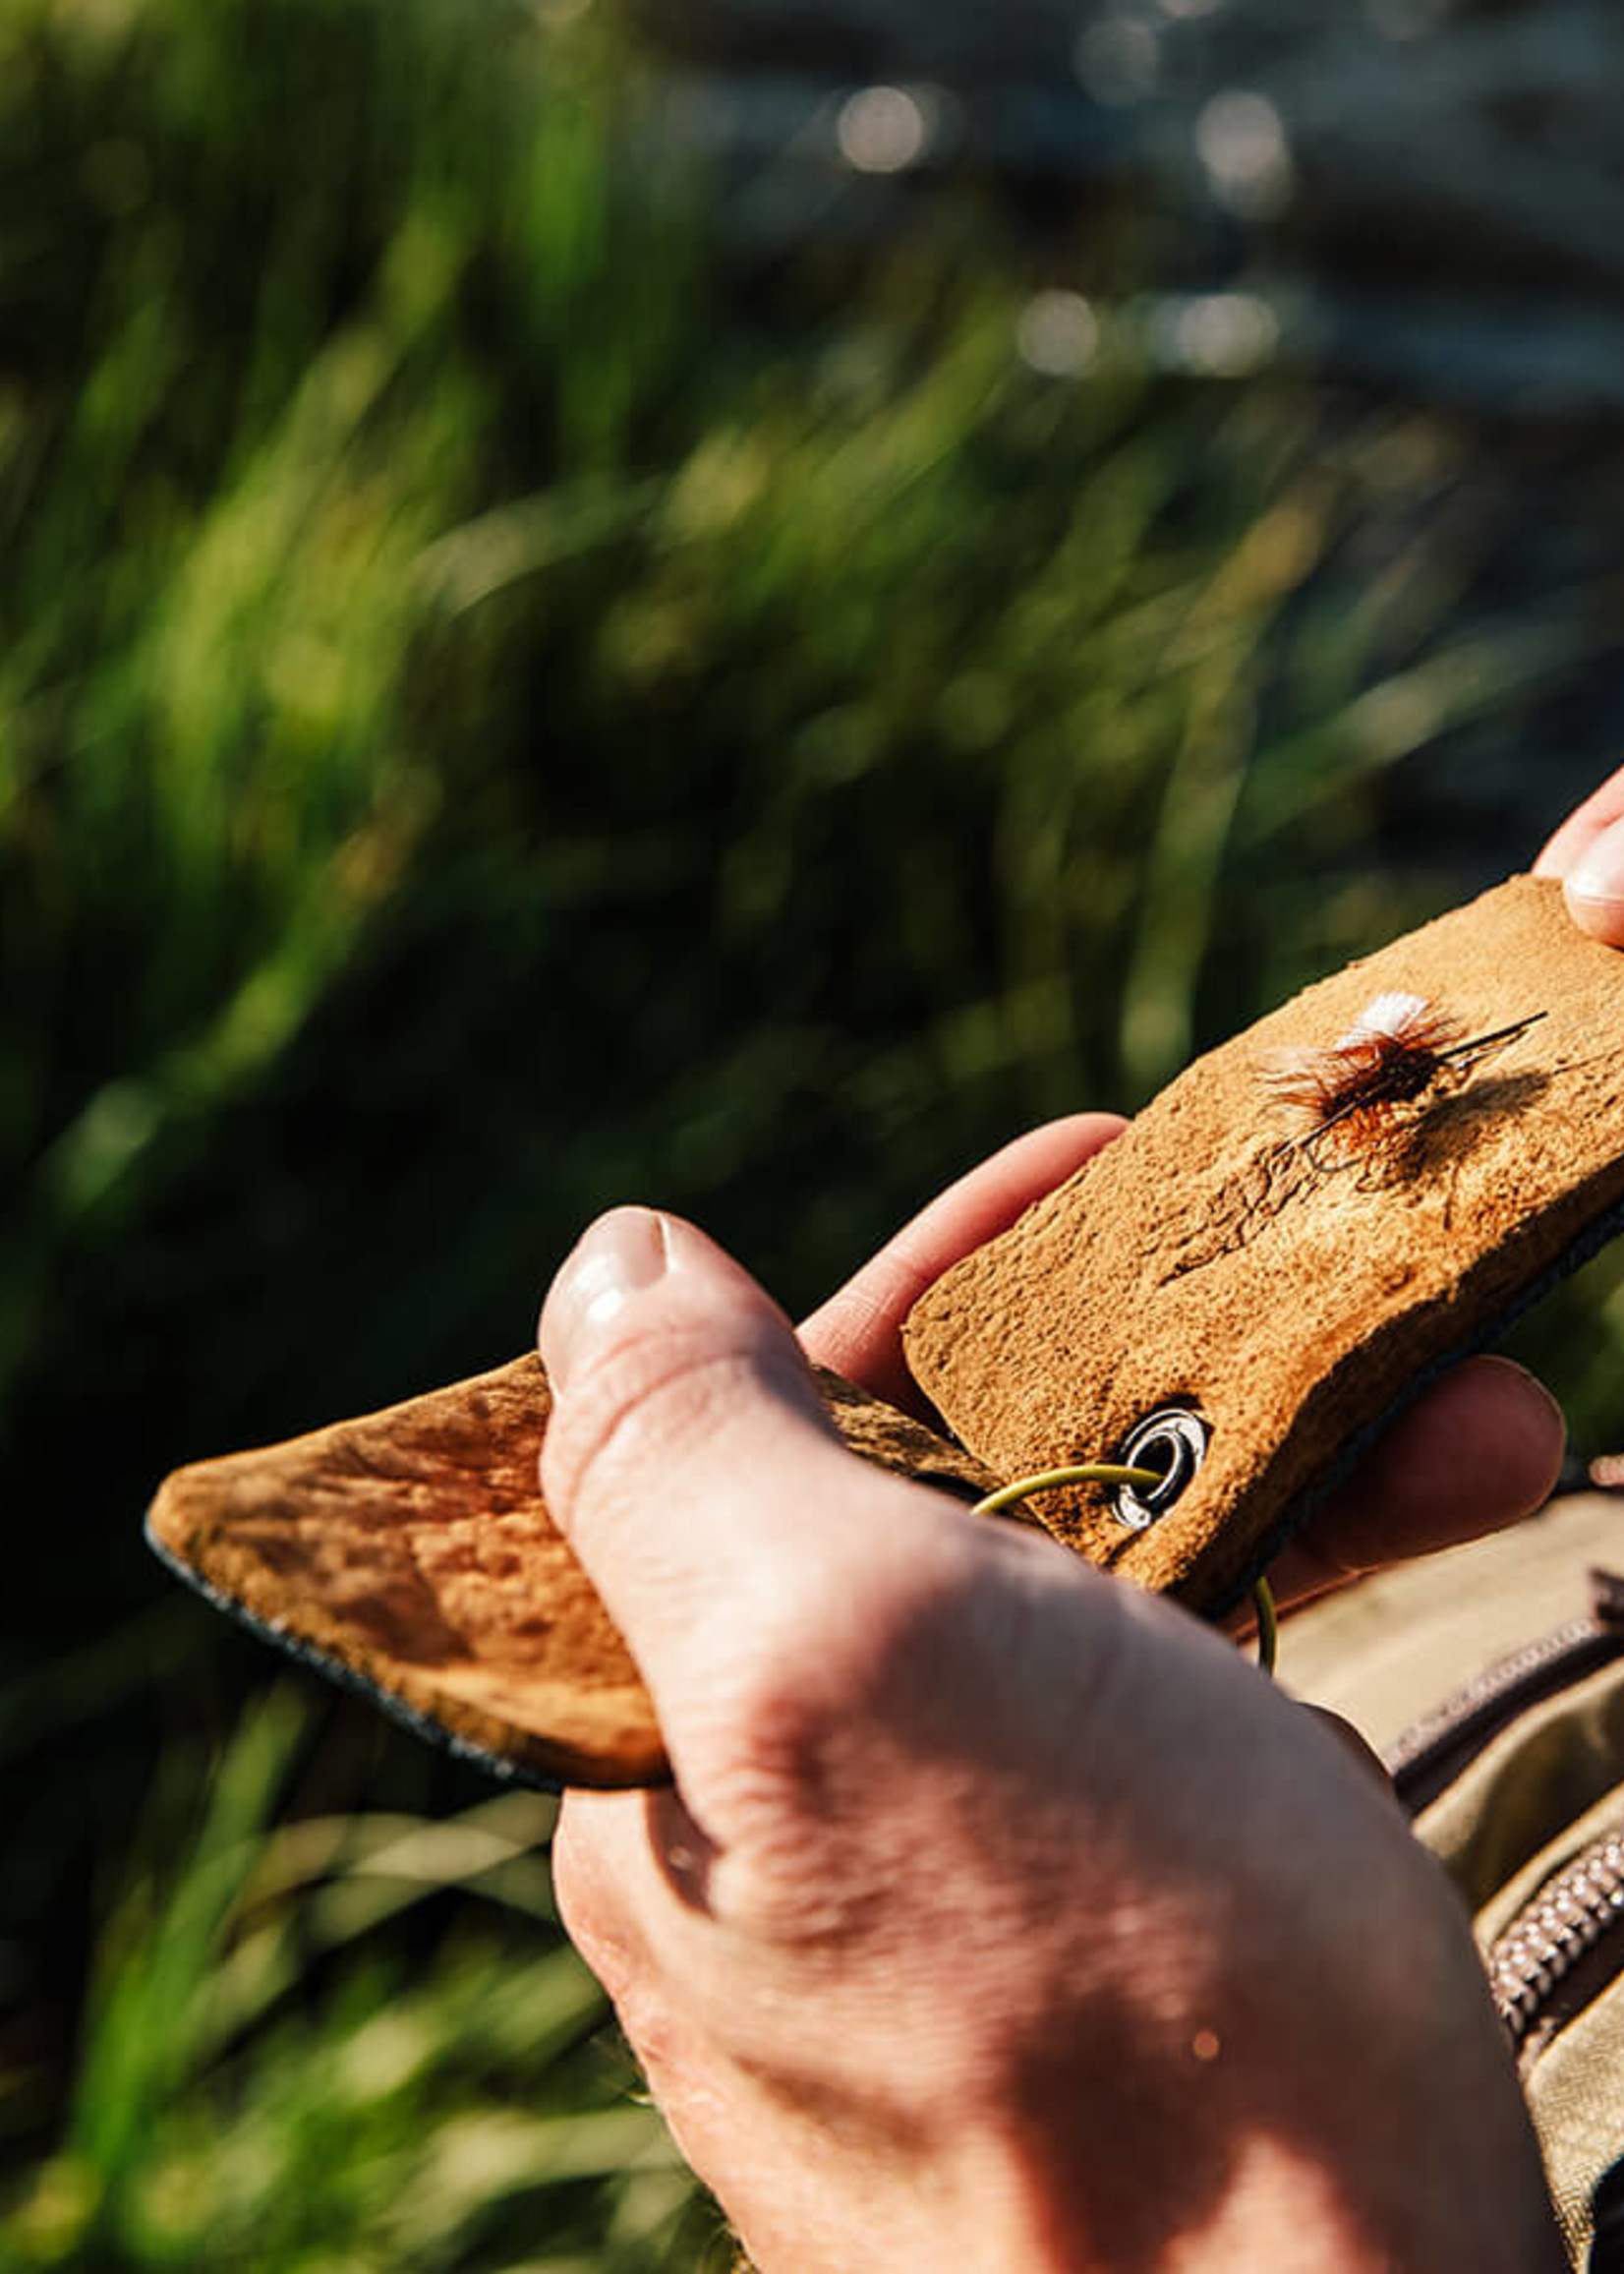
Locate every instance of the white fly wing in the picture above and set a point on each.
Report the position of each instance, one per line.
(1388, 1017)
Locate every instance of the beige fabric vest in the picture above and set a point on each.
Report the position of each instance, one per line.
(1492, 1680)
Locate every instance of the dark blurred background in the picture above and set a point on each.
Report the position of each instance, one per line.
(727, 605)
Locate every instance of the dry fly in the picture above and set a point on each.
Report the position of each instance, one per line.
(1345, 1101)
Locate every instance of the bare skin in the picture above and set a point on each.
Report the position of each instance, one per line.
(1000, 1917)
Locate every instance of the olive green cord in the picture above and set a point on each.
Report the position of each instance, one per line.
(1004, 1502)
(1086, 1473)
(1269, 1626)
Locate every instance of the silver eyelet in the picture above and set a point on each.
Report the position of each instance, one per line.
(1173, 1440)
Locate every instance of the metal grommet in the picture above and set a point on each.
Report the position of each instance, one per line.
(1172, 1439)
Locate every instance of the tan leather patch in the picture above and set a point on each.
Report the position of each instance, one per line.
(412, 1552)
(1288, 1295)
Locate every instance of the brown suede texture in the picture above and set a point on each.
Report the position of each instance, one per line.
(412, 1548)
(1194, 1262)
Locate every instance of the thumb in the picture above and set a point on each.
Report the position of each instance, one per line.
(688, 1459)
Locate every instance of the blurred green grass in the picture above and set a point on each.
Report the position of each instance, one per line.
(501, 713)
(267, 2079)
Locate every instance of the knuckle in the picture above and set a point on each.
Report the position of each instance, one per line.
(821, 1652)
(867, 1638)
(837, 1685)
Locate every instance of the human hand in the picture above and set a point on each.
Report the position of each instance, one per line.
(999, 1916)
(811, 2172)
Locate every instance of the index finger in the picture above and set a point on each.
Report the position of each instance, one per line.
(858, 1331)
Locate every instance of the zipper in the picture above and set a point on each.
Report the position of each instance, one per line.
(1434, 1750)
(1560, 1949)
(1536, 1972)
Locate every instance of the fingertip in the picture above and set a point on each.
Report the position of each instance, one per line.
(1592, 885)
(1599, 918)
(626, 1255)
(620, 1255)
(1486, 1444)
(1478, 1450)
(1526, 1429)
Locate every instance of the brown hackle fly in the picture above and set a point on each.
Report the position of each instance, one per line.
(1338, 1107)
